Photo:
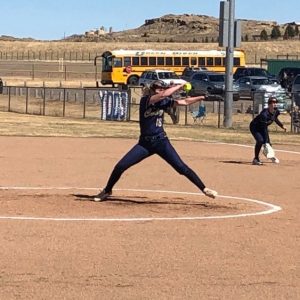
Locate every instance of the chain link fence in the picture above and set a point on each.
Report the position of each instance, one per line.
(87, 103)
(48, 55)
(60, 70)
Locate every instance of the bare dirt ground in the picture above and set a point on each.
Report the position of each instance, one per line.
(66, 256)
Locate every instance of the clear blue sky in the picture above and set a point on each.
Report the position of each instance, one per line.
(50, 19)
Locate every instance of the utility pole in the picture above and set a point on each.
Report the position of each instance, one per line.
(229, 37)
(227, 122)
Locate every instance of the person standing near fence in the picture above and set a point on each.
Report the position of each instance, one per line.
(153, 139)
(259, 128)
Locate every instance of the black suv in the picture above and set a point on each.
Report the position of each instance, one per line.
(287, 75)
(243, 71)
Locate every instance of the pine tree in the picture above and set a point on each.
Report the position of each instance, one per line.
(289, 32)
(275, 34)
(264, 35)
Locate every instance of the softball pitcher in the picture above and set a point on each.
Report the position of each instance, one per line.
(153, 139)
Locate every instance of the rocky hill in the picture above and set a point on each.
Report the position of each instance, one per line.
(181, 28)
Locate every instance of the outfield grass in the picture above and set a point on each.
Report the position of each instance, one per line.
(14, 124)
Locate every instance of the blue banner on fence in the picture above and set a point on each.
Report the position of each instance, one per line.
(114, 105)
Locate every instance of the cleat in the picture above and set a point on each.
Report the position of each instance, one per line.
(210, 193)
(103, 195)
(256, 162)
(275, 160)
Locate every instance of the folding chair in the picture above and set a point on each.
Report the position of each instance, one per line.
(200, 114)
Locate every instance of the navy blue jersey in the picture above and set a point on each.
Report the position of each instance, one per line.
(151, 115)
(266, 118)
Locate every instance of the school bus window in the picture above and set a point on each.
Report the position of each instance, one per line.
(135, 61)
(160, 61)
(236, 61)
(177, 61)
(117, 62)
(169, 61)
(210, 61)
(186, 61)
(152, 61)
(201, 61)
(127, 61)
(144, 61)
(218, 61)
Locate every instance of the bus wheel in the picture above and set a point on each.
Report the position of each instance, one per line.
(133, 80)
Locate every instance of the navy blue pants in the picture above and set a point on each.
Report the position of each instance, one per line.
(261, 136)
(146, 148)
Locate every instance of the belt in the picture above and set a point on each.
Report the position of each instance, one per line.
(151, 138)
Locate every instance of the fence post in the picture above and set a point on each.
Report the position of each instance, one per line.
(44, 100)
(292, 113)
(219, 114)
(64, 103)
(26, 107)
(8, 99)
(84, 102)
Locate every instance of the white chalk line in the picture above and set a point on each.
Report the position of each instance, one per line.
(271, 207)
(248, 146)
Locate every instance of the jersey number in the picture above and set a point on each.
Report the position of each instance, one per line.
(159, 122)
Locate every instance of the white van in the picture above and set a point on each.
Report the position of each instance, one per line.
(166, 76)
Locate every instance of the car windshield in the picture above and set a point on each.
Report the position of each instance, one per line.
(260, 81)
(167, 75)
(260, 72)
(217, 78)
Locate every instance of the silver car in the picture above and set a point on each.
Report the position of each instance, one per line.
(212, 83)
(249, 85)
(208, 82)
(166, 76)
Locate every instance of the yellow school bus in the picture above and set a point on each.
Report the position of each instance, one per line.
(126, 66)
